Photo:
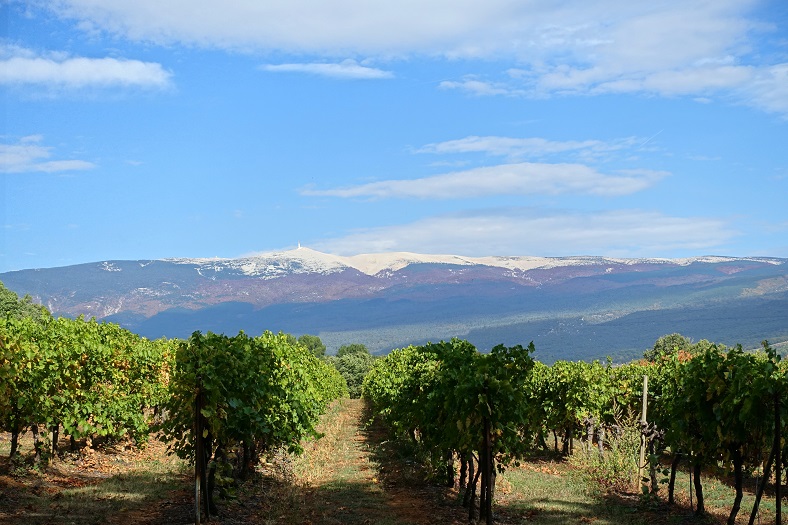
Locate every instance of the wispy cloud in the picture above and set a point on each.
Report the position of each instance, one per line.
(769, 89)
(762, 87)
(507, 179)
(22, 67)
(29, 155)
(474, 86)
(526, 231)
(531, 147)
(348, 69)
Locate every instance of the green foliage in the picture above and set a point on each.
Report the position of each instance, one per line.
(231, 398)
(721, 401)
(573, 391)
(97, 379)
(262, 390)
(94, 379)
(354, 367)
(440, 394)
(668, 345)
(354, 348)
(714, 402)
(11, 305)
(313, 344)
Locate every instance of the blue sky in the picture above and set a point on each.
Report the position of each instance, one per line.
(147, 129)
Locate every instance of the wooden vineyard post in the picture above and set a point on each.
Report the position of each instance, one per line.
(198, 451)
(777, 461)
(642, 462)
(690, 485)
(485, 504)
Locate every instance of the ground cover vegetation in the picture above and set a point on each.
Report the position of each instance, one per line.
(231, 407)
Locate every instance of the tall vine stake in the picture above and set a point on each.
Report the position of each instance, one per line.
(777, 460)
(642, 462)
(199, 454)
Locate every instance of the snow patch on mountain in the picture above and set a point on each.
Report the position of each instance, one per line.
(271, 265)
(302, 260)
(110, 267)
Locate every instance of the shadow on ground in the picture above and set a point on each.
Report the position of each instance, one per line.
(56, 496)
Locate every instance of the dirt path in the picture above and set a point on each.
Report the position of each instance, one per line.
(349, 477)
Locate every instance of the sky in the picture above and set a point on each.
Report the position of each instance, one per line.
(142, 129)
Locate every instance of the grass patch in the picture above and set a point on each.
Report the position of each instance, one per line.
(551, 493)
(718, 495)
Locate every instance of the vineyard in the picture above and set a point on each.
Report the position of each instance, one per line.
(224, 404)
(218, 401)
(715, 406)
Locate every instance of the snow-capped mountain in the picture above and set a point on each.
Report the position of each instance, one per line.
(387, 300)
(305, 260)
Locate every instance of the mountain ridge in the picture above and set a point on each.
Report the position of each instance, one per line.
(392, 299)
(374, 263)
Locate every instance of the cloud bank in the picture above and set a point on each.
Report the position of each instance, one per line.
(671, 48)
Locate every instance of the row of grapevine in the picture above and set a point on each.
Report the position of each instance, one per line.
(450, 399)
(727, 407)
(568, 398)
(218, 398)
(714, 406)
(90, 379)
(233, 397)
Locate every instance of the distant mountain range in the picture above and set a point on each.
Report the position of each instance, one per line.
(571, 307)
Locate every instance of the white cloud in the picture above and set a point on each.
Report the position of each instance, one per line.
(477, 87)
(688, 81)
(769, 89)
(349, 69)
(22, 67)
(668, 33)
(668, 48)
(457, 27)
(763, 87)
(524, 231)
(28, 155)
(527, 147)
(507, 179)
